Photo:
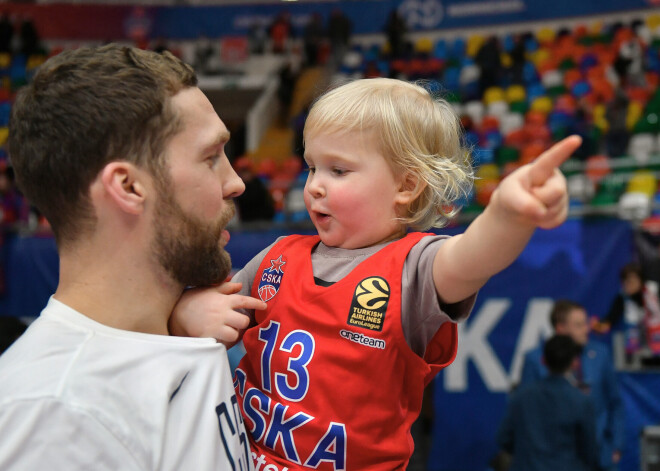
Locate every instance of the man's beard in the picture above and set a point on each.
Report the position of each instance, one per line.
(187, 248)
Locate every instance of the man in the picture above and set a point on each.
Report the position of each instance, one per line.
(550, 424)
(124, 155)
(594, 374)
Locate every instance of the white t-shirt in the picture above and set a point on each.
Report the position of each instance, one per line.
(79, 395)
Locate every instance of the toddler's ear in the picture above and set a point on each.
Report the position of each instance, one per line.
(410, 187)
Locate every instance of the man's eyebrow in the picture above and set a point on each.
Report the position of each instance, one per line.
(221, 138)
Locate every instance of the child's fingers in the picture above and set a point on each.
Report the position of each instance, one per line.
(248, 302)
(552, 192)
(229, 288)
(545, 165)
(237, 320)
(227, 335)
(527, 205)
(554, 216)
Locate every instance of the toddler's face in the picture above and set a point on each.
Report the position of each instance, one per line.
(351, 192)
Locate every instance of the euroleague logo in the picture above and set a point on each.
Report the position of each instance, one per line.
(271, 278)
(370, 303)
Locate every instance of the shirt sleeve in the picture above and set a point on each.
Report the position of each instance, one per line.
(422, 312)
(46, 434)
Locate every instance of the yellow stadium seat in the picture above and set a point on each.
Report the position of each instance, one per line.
(474, 43)
(493, 94)
(542, 104)
(515, 93)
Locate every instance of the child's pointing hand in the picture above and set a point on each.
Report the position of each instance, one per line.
(536, 194)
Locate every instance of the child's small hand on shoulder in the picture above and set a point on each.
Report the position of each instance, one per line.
(535, 195)
(212, 312)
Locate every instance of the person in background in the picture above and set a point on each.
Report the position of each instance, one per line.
(594, 375)
(314, 35)
(549, 424)
(635, 311)
(256, 203)
(339, 29)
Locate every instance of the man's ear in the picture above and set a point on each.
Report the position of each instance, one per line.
(409, 189)
(125, 185)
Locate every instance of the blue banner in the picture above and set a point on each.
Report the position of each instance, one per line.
(370, 17)
(580, 261)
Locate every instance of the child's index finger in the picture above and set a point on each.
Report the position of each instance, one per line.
(544, 166)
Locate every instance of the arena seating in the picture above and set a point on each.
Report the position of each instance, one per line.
(598, 81)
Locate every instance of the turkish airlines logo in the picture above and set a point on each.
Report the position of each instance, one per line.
(370, 303)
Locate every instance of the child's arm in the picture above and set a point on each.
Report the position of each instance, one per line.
(212, 312)
(533, 196)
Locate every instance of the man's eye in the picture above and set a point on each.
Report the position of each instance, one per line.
(213, 159)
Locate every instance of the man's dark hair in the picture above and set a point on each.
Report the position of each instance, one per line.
(83, 109)
(559, 352)
(561, 309)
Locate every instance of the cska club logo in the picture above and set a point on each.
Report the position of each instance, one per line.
(271, 278)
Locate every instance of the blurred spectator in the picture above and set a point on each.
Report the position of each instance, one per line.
(593, 374)
(549, 424)
(30, 41)
(396, 31)
(298, 124)
(518, 59)
(13, 207)
(636, 312)
(339, 33)
(281, 31)
(205, 51)
(488, 60)
(647, 246)
(138, 25)
(313, 37)
(255, 204)
(6, 33)
(257, 37)
(629, 63)
(288, 77)
(583, 127)
(11, 328)
(616, 141)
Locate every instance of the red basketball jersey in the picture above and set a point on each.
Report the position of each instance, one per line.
(328, 381)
